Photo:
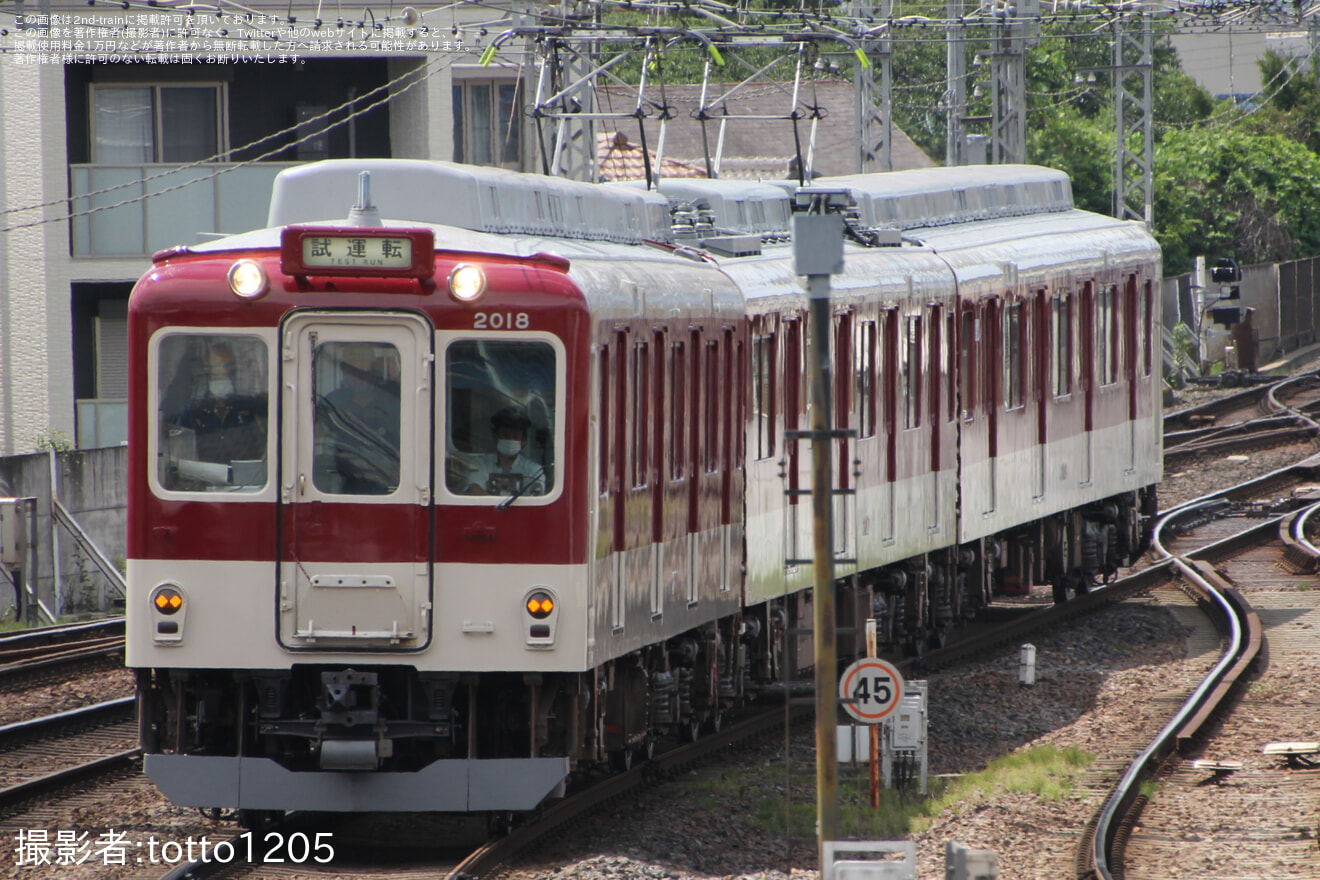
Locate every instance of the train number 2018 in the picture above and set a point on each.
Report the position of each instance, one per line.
(501, 321)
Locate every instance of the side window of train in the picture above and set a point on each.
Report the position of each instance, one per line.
(1145, 315)
(1014, 351)
(500, 418)
(763, 394)
(641, 376)
(1106, 335)
(1061, 333)
(712, 414)
(911, 371)
(677, 448)
(212, 413)
(603, 428)
(864, 361)
(950, 365)
(970, 337)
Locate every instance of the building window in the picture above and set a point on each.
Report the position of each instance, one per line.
(488, 123)
(139, 125)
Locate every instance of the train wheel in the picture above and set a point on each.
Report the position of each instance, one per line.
(939, 637)
(622, 760)
(1060, 591)
(499, 824)
(258, 819)
(715, 721)
(691, 730)
(647, 751)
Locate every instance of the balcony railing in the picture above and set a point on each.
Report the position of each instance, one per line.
(166, 205)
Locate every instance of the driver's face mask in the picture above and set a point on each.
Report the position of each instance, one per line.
(508, 448)
(221, 386)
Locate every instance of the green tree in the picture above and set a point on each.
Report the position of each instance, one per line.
(1224, 193)
(1082, 147)
(1292, 101)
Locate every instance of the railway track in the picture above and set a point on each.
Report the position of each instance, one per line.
(1263, 417)
(32, 655)
(359, 854)
(67, 751)
(1240, 794)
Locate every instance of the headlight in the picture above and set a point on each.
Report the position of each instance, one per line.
(247, 279)
(467, 282)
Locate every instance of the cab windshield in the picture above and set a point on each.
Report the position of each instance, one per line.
(212, 414)
(500, 418)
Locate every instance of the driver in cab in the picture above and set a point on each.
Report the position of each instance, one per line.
(506, 471)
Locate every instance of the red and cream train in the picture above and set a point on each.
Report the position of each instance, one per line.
(427, 512)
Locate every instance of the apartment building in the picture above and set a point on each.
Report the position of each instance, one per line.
(109, 158)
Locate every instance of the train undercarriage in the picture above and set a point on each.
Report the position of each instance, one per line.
(393, 718)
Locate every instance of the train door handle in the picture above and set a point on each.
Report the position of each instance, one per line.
(302, 484)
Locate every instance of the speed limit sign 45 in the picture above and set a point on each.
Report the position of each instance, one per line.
(870, 689)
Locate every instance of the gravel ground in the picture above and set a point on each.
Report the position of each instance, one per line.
(83, 689)
(1093, 690)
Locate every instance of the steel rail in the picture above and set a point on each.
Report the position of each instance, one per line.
(493, 854)
(98, 715)
(1243, 632)
(50, 634)
(44, 785)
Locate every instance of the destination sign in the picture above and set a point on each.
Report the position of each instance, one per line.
(356, 252)
(328, 250)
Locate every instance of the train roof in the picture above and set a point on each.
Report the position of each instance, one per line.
(704, 206)
(473, 197)
(933, 197)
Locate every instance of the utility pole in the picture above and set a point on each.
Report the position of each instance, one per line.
(873, 116)
(1134, 187)
(818, 254)
(1012, 33)
(955, 93)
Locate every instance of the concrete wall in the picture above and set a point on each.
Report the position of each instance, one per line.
(36, 348)
(92, 486)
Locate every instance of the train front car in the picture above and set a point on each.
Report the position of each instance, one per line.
(361, 508)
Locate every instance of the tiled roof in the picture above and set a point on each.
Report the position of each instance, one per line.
(617, 159)
(758, 149)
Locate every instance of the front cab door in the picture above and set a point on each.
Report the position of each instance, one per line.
(355, 485)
